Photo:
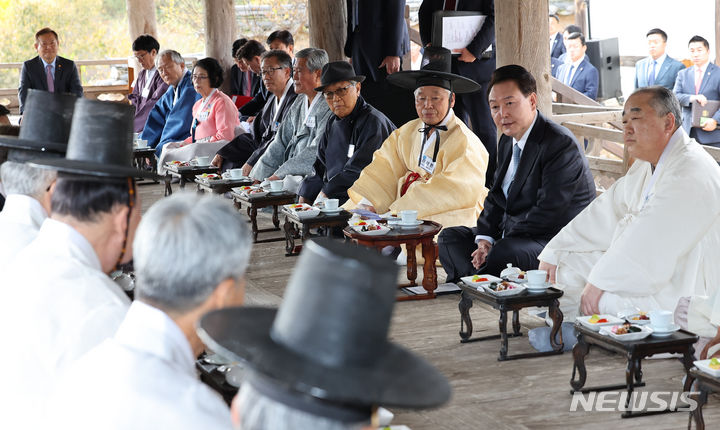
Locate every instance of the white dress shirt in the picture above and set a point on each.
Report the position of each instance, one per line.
(20, 221)
(143, 378)
(57, 304)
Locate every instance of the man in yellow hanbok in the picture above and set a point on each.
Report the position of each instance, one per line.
(433, 164)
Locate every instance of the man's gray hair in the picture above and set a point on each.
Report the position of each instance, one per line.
(174, 56)
(20, 178)
(316, 58)
(259, 412)
(663, 101)
(185, 246)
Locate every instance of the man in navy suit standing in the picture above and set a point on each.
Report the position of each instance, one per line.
(48, 71)
(658, 68)
(557, 47)
(542, 181)
(578, 72)
(698, 84)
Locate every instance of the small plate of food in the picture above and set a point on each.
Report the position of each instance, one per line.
(504, 288)
(626, 332)
(477, 280)
(302, 210)
(710, 366)
(595, 322)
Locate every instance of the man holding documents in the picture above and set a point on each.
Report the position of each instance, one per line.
(697, 85)
(476, 61)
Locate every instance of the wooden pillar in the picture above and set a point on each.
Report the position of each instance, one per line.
(521, 32)
(141, 18)
(327, 20)
(581, 17)
(220, 29)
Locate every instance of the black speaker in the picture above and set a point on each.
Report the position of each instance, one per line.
(604, 54)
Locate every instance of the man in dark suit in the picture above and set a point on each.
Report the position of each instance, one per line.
(698, 84)
(251, 53)
(557, 47)
(48, 71)
(577, 72)
(542, 182)
(658, 68)
(377, 39)
(477, 62)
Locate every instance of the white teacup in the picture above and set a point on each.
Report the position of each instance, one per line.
(408, 216)
(235, 173)
(202, 161)
(661, 319)
(331, 204)
(276, 186)
(142, 143)
(136, 136)
(536, 277)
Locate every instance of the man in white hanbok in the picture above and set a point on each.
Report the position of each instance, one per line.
(654, 236)
(144, 377)
(58, 301)
(46, 126)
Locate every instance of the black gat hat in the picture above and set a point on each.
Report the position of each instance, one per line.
(435, 71)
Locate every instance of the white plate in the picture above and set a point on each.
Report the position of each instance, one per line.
(331, 211)
(704, 365)
(302, 214)
(410, 225)
(383, 230)
(665, 332)
(628, 337)
(490, 278)
(517, 290)
(538, 288)
(515, 279)
(630, 319)
(596, 326)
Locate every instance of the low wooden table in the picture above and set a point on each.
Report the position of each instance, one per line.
(296, 228)
(140, 155)
(221, 186)
(422, 235)
(706, 384)
(679, 342)
(525, 299)
(253, 203)
(185, 174)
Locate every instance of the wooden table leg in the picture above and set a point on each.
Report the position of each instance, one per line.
(411, 263)
(516, 323)
(556, 340)
(182, 181)
(503, 334)
(252, 211)
(464, 307)
(687, 360)
(289, 229)
(697, 414)
(429, 270)
(275, 219)
(168, 187)
(580, 350)
(632, 363)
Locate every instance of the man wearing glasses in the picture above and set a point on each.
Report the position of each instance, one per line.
(353, 133)
(247, 148)
(48, 71)
(149, 86)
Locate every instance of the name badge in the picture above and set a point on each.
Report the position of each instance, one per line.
(351, 150)
(203, 116)
(275, 126)
(427, 164)
(310, 121)
(204, 139)
(145, 93)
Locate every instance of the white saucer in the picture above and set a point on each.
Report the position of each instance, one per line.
(665, 331)
(330, 211)
(409, 225)
(276, 192)
(536, 288)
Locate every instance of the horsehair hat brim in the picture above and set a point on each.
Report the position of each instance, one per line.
(411, 78)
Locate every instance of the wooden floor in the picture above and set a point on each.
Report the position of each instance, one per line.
(487, 394)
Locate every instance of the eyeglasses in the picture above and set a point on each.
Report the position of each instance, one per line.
(141, 56)
(269, 71)
(340, 92)
(199, 77)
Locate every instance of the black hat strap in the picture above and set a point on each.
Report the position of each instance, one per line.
(131, 205)
(425, 131)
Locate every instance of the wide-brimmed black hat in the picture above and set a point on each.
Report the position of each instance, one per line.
(338, 71)
(328, 340)
(435, 71)
(45, 127)
(100, 143)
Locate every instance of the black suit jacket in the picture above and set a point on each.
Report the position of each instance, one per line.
(481, 69)
(237, 81)
(558, 47)
(260, 97)
(381, 32)
(552, 184)
(33, 76)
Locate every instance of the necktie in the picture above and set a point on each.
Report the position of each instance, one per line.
(698, 79)
(50, 78)
(450, 5)
(512, 168)
(569, 74)
(651, 76)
